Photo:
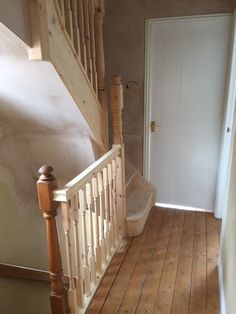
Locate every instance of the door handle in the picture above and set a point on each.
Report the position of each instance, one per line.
(154, 126)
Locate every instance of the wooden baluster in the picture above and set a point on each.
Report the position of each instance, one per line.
(79, 280)
(66, 223)
(62, 9)
(87, 40)
(80, 7)
(107, 218)
(97, 244)
(116, 107)
(114, 198)
(111, 203)
(86, 272)
(68, 19)
(91, 236)
(45, 186)
(76, 34)
(101, 210)
(93, 48)
(100, 60)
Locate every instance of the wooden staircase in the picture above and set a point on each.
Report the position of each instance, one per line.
(69, 35)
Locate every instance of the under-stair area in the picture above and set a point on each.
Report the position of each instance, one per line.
(170, 268)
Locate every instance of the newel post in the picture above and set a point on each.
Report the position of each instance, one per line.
(45, 186)
(116, 108)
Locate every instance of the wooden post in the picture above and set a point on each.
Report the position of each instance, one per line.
(45, 186)
(98, 29)
(116, 108)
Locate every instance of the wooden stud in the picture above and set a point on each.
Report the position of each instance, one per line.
(45, 186)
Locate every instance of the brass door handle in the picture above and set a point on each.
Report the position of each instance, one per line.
(154, 126)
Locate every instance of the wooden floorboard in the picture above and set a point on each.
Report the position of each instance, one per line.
(171, 268)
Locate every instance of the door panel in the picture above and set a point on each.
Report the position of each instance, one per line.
(187, 72)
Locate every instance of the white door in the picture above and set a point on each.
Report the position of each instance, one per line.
(186, 75)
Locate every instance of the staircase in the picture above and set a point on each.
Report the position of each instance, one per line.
(55, 112)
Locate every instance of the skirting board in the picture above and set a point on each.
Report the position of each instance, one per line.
(221, 287)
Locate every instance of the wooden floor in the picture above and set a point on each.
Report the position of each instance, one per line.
(169, 268)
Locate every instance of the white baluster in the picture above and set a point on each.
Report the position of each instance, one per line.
(86, 272)
(79, 279)
(101, 210)
(97, 244)
(80, 7)
(111, 203)
(106, 197)
(91, 237)
(66, 222)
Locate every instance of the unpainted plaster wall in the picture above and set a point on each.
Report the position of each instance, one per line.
(15, 15)
(125, 53)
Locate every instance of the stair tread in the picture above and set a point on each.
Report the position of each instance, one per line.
(137, 202)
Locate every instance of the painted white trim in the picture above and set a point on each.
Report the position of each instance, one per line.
(146, 144)
(221, 286)
(202, 17)
(225, 160)
(184, 207)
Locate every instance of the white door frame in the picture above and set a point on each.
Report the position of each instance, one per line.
(225, 159)
(146, 147)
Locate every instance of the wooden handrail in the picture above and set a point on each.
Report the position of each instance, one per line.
(45, 186)
(20, 272)
(63, 195)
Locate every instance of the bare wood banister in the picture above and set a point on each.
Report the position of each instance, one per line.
(63, 195)
(45, 186)
(100, 60)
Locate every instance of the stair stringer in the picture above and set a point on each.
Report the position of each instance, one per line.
(52, 43)
(140, 196)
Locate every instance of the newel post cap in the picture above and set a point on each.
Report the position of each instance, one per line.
(46, 173)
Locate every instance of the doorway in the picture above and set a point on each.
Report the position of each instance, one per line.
(186, 69)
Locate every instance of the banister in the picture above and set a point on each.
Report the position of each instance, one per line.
(64, 194)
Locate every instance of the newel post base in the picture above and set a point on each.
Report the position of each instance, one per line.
(45, 186)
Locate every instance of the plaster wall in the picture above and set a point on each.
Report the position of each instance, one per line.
(39, 124)
(15, 15)
(124, 29)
